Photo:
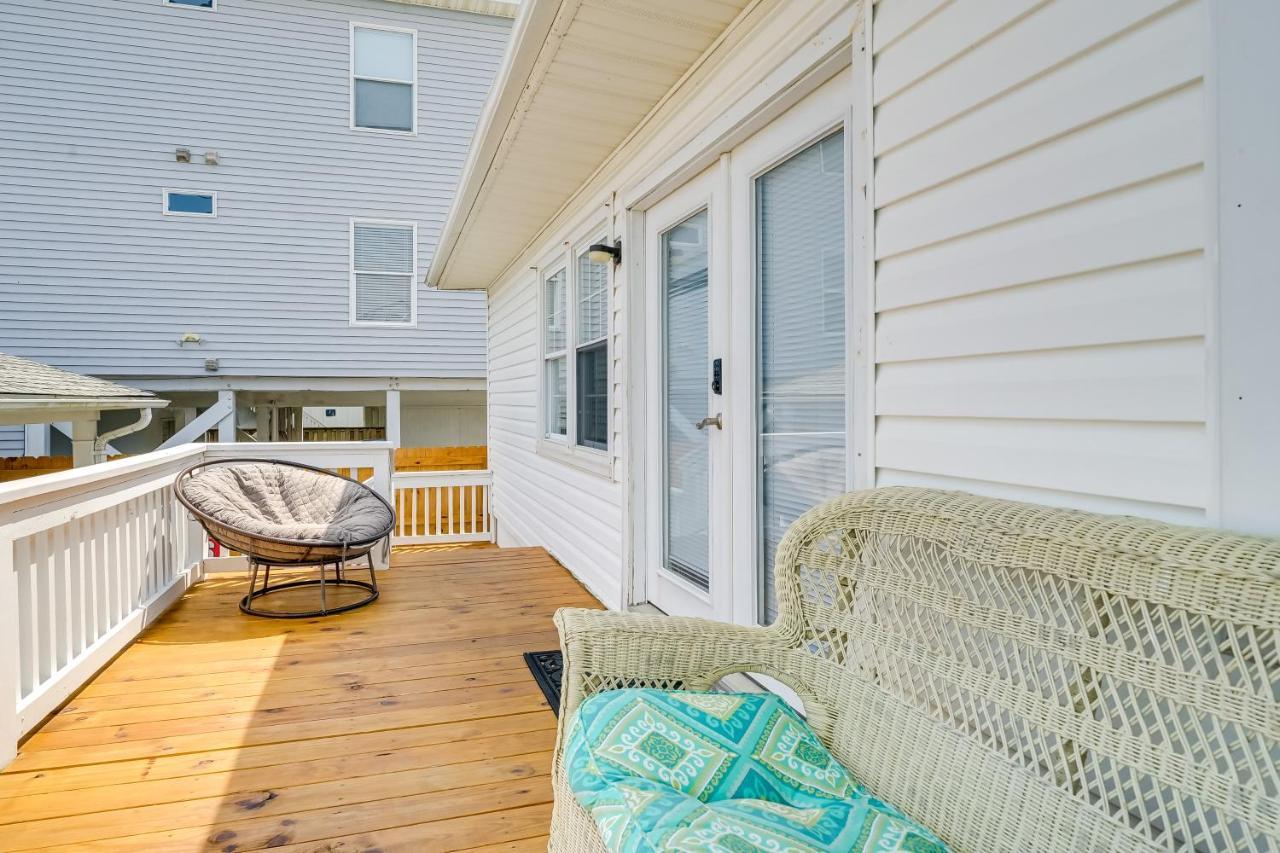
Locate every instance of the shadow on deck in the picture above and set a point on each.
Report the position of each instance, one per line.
(411, 724)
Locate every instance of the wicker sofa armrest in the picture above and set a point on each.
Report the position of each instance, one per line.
(606, 650)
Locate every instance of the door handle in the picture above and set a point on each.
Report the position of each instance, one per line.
(709, 421)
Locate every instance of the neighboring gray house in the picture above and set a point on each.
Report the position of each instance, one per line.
(237, 200)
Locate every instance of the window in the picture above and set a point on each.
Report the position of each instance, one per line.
(555, 354)
(190, 203)
(193, 4)
(384, 79)
(575, 351)
(592, 354)
(383, 264)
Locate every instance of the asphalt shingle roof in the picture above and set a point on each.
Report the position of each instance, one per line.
(21, 377)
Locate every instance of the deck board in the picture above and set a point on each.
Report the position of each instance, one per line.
(408, 725)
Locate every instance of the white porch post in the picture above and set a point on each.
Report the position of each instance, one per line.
(393, 417)
(82, 435)
(36, 441)
(227, 426)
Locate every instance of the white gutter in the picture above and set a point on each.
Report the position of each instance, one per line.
(100, 443)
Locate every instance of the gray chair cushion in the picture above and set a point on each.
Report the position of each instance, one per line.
(282, 502)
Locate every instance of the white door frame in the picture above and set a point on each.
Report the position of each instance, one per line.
(708, 191)
(839, 60)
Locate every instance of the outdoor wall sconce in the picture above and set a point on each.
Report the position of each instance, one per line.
(211, 158)
(182, 155)
(603, 253)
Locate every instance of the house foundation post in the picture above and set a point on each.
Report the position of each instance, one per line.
(393, 417)
(227, 426)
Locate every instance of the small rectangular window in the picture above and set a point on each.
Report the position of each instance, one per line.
(193, 4)
(555, 353)
(383, 260)
(592, 378)
(190, 203)
(384, 79)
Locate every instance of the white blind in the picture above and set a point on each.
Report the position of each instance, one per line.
(382, 258)
(384, 54)
(688, 473)
(554, 301)
(593, 300)
(800, 267)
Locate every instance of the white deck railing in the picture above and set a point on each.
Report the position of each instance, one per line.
(442, 506)
(88, 558)
(91, 556)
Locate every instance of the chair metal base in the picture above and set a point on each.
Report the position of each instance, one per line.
(339, 579)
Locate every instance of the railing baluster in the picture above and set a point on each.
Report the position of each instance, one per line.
(435, 493)
(28, 614)
(75, 557)
(100, 576)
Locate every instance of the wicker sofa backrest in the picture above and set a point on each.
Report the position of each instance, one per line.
(1007, 672)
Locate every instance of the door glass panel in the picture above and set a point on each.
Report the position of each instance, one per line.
(800, 274)
(687, 461)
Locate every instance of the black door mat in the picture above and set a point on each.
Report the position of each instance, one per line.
(547, 669)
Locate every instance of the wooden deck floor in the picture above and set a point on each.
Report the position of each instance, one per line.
(412, 724)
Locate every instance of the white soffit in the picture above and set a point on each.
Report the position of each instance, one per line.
(578, 77)
(496, 8)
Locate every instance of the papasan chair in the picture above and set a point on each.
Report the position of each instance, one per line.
(286, 514)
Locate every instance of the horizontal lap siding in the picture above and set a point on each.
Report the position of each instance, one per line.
(575, 515)
(1040, 234)
(13, 441)
(96, 96)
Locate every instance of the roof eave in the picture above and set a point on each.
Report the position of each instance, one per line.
(528, 39)
(492, 8)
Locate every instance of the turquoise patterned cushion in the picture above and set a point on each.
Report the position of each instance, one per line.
(732, 772)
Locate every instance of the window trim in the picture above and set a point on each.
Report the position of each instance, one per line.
(351, 270)
(565, 448)
(164, 202)
(213, 7)
(351, 79)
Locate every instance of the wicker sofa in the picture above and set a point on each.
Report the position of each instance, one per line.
(1014, 677)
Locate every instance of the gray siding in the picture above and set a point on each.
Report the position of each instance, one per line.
(13, 441)
(96, 95)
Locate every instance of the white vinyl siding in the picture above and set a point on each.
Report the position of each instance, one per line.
(384, 79)
(1040, 271)
(383, 268)
(538, 499)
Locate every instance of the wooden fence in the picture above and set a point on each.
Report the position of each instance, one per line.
(468, 458)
